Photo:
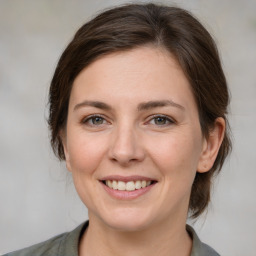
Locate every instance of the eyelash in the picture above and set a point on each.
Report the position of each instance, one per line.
(91, 117)
(154, 117)
(165, 118)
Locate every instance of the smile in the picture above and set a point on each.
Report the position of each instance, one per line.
(127, 186)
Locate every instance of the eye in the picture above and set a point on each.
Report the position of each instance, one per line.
(160, 120)
(94, 120)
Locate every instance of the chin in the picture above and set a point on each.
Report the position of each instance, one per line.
(125, 225)
(128, 220)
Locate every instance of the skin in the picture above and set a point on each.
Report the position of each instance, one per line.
(126, 141)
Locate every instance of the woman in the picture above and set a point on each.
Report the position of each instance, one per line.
(138, 106)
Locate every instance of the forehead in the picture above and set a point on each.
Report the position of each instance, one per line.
(144, 73)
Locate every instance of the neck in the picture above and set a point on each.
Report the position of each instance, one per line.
(162, 240)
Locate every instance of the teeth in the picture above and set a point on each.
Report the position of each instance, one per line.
(128, 186)
(143, 183)
(138, 184)
(114, 184)
(109, 183)
(121, 185)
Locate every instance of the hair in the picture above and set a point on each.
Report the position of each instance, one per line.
(131, 26)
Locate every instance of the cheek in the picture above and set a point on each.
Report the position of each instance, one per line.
(176, 153)
(85, 153)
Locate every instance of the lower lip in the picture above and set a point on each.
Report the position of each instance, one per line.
(127, 195)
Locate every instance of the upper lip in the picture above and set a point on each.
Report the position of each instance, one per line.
(127, 178)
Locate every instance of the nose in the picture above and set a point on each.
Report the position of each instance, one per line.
(126, 147)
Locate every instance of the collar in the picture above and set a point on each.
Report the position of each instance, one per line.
(70, 242)
(199, 248)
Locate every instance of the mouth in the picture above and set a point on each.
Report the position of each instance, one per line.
(127, 188)
(130, 185)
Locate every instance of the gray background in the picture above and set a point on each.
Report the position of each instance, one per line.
(37, 198)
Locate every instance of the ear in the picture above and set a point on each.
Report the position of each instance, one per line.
(211, 146)
(63, 137)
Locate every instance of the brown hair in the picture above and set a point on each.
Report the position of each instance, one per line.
(174, 29)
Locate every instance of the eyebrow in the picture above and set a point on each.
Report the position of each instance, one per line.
(96, 104)
(142, 106)
(159, 103)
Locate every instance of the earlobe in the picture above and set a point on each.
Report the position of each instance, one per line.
(211, 146)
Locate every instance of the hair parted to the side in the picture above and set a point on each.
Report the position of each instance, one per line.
(135, 25)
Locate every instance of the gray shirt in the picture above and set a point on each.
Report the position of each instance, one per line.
(67, 245)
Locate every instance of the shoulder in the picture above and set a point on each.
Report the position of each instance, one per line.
(199, 248)
(207, 250)
(62, 245)
(47, 248)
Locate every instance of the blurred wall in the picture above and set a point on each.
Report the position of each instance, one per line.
(37, 198)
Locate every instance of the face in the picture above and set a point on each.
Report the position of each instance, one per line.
(133, 140)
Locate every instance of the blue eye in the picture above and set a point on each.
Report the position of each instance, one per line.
(94, 120)
(161, 121)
